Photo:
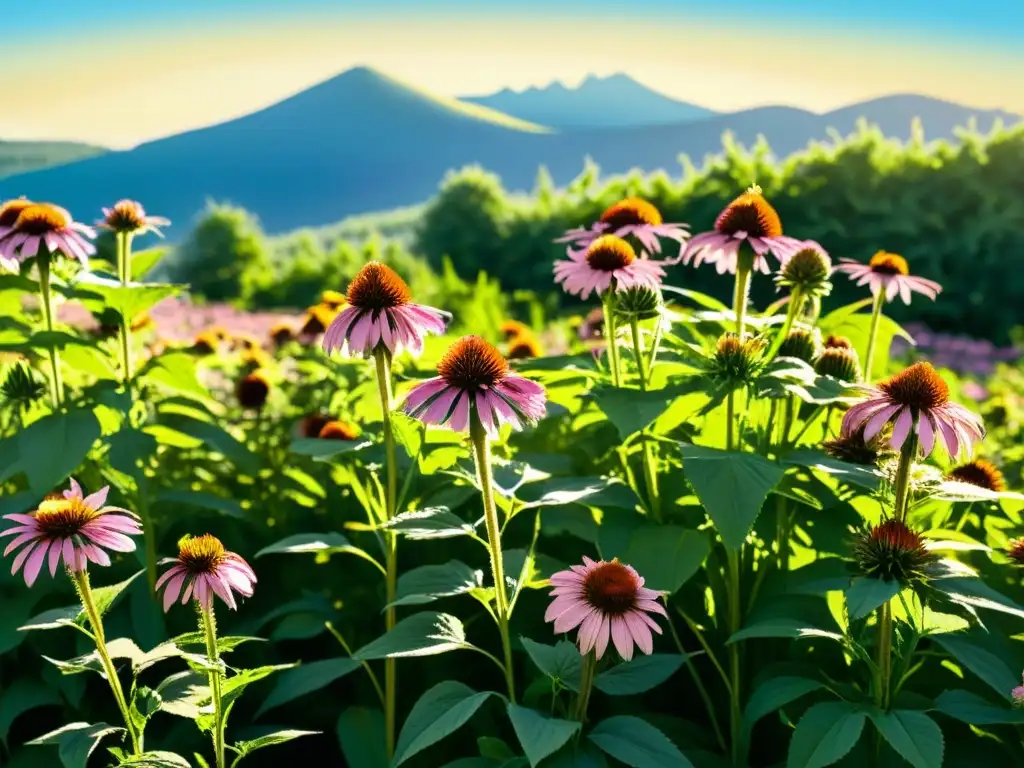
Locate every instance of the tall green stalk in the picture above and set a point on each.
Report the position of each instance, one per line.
(735, 618)
(607, 303)
(124, 273)
(587, 669)
(383, 370)
(81, 581)
(876, 316)
(56, 382)
(741, 293)
(901, 489)
(796, 300)
(485, 477)
(650, 466)
(208, 625)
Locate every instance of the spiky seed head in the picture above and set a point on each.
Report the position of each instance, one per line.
(737, 362)
(807, 271)
(839, 363)
(801, 344)
(638, 302)
(980, 472)
(21, 387)
(893, 551)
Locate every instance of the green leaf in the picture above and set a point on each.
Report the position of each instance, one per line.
(361, 737)
(233, 687)
(974, 593)
(422, 634)
(864, 595)
(845, 321)
(202, 500)
(216, 439)
(317, 543)
(175, 371)
(855, 474)
(641, 674)
(439, 712)
(979, 660)
(120, 648)
(244, 748)
(55, 446)
(970, 708)
(732, 487)
(16, 611)
(588, 491)
(430, 523)
(104, 597)
(129, 449)
(781, 627)
(322, 450)
(156, 760)
(637, 743)
(539, 734)
(629, 411)
(304, 679)
(914, 736)
(19, 697)
(143, 261)
(75, 742)
(128, 300)
(775, 693)
(409, 433)
(224, 644)
(824, 735)
(667, 555)
(432, 582)
(560, 662)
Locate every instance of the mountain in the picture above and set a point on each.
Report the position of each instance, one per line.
(598, 102)
(23, 156)
(363, 142)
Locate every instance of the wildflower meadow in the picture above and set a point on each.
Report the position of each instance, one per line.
(704, 534)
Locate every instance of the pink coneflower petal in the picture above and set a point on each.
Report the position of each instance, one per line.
(608, 602)
(888, 274)
(42, 224)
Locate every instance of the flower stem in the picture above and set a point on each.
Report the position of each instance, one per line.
(709, 707)
(56, 383)
(209, 626)
(902, 489)
(735, 711)
(587, 668)
(81, 581)
(796, 300)
(782, 531)
(482, 455)
(383, 361)
(124, 271)
(730, 417)
(348, 649)
(741, 295)
(876, 316)
(610, 336)
(650, 466)
(884, 659)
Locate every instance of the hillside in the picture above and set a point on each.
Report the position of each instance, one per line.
(362, 142)
(598, 102)
(25, 156)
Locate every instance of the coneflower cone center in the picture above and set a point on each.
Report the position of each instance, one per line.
(749, 213)
(981, 473)
(919, 386)
(471, 363)
(126, 216)
(41, 219)
(630, 212)
(200, 554)
(337, 430)
(312, 425)
(62, 518)
(11, 210)
(838, 342)
(611, 588)
(378, 287)
(889, 264)
(609, 253)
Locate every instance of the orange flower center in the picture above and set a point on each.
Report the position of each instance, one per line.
(611, 588)
(332, 299)
(126, 216)
(318, 318)
(838, 342)
(919, 386)
(311, 425)
(253, 390)
(61, 518)
(41, 218)
(281, 333)
(888, 264)
(338, 430)
(981, 473)
(512, 328)
(895, 535)
(378, 287)
(609, 253)
(201, 554)
(10, 211)
(749, 213)
(630, 212)
(524, 348)
(471, 363)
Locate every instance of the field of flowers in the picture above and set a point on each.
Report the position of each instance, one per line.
(671, 533)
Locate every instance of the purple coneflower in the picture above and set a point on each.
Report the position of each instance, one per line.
(42, 224)
(475, 379)
(204, 568)
(381, 312)
(748, 219)
(10, 211)
(605, 600)
(73, 528)
(888, 274)
(631, 217)
(130, 218)
(915, 401)
(608, 263)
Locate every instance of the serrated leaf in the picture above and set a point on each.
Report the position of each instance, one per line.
(970, 708)
(914, 736)
(825, 734)
(304, 679)
(360, 733)
(316, 543)
(638, 675)
(55, 446)
(432, 582)
(75, 742)
(561, 662)
(430, 523)
(439, 712)
(422, 634)
(775, 693)
(244, 748)
(637, 743)
(865, 595)
(155, 760)
(104, 598)
(539, 734)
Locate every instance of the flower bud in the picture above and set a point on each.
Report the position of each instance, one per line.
(21, 388)
(801, 344)
(892, 551)
(735, 361)
(838, 363)
(807, 271)
(639, 302)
